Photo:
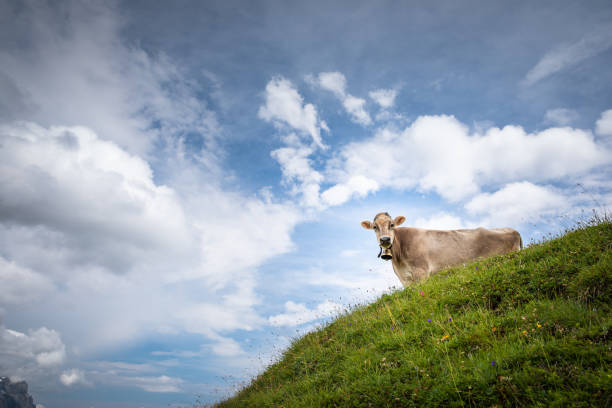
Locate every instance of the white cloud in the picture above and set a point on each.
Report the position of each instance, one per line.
(105, 249)
(440, 221)
(347, 253)
(561, 116)
(207, 318)
(384, 97)
(285, 106)
(80, 206)
(239, 233)
(297, 314)
(517, 203)
(72, 377)
(438, 153)
(358, 186)
(25, 354)
(82, 215)
(89, 217)
(21, 285)
(298, 172)
(162, 383)
(603, 126)
(356, 108)
(90, 190)
(333, 81)
(336, 83)
(567, 55)
(367, 278)
(227, 347)
(145, 376)
(73, 68)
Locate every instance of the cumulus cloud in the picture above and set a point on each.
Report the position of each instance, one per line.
(295, 158)
(110, 250)
(561, 116)
(231, 224)
(603, 126)
(221, 225)
(357, 186)
(285, 106)
(89, 217)
(72, 377)
(438, 153)
(567, 55)
(334, 82)
(440, 221)
(68, 180)
(71, 67)
(296, 165)
(27, 354)
(298, 173)
(297, 314)
(21, 285)
(354, 106)
(384, 97)
(517, 203)
(226, 346)
(231, 313)
(82, 213)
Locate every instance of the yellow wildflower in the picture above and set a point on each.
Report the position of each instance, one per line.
(539, 325)
(525, 332)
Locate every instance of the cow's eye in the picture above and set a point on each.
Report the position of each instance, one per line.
(392, 225)
(375, 228)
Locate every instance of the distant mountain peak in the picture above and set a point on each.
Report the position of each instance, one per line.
(15, 394)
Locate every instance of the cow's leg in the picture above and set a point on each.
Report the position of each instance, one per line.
(403, 274)
(419, 274)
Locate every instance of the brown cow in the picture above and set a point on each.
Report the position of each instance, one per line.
(418, 253)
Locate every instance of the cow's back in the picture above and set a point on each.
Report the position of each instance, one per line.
(448, 248)
(497, 241)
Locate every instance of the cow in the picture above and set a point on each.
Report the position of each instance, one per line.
(418, 253)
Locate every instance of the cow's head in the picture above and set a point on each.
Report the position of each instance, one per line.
(384, 227)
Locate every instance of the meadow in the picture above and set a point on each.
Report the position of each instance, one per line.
(530, 328)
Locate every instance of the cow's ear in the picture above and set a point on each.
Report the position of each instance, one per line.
(366, 224)
(399, 220)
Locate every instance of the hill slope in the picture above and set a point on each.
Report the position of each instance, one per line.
(524, 329)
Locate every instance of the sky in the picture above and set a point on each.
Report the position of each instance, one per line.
(182, 183)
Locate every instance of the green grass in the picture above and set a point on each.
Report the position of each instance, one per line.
(526, 329)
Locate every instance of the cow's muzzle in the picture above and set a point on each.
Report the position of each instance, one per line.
(385, 242)
(385, 253)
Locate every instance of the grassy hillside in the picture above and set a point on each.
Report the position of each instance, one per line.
(525, 329)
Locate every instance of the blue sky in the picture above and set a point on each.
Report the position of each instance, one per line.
(182, 184)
